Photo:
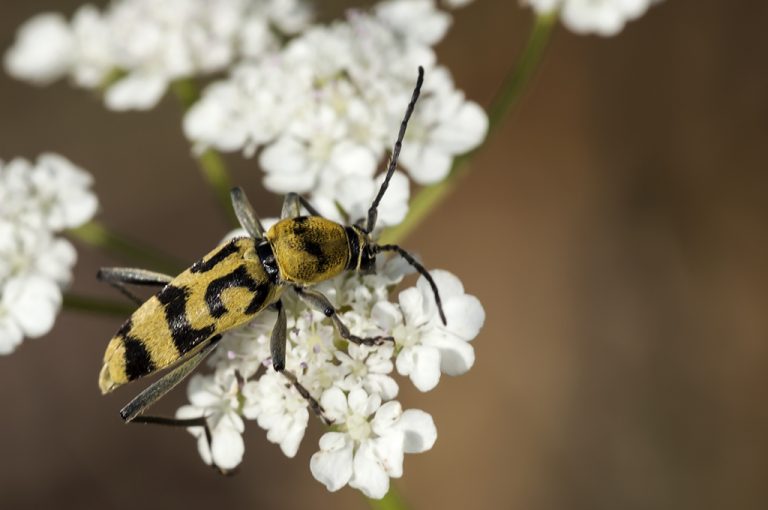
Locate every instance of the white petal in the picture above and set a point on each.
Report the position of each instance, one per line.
(419, 429)
(33, 302)
(447, 283)
(286, 166)
(332, 465)
(456, 355)
(465, 316)
(425, 372)
(228, 447)
(136, 92)
(464, 131)
(427, 164)
(10, 335)
(334, 402)
(389, 451)
(386, 417)
(43, 51)
(369, 475)
(294, 435)
(351, 158)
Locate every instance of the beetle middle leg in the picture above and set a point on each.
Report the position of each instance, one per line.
(277, 346)
(118, 277)
(319, 302)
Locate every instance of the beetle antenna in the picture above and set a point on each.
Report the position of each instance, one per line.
(372, 212)
(412, 261)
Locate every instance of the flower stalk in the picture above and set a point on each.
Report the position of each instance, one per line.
(511, 91)
(211, 163)
(391, 501)
(99, 305)
(96, 234)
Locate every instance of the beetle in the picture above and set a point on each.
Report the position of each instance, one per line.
(181, 324)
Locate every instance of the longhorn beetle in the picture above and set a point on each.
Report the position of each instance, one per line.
(229, 286)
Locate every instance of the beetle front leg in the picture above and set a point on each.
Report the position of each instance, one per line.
(277, 345)
(320, 303)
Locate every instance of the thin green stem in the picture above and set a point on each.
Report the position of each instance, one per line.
(96, 305)
(211, 164)
(512, 89)
(97, 234)
(391, 501)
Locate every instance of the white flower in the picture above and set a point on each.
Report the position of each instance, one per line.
(28, 307)
(44, 49)
(427, 347)
(324, 110)
(419, 19)
(455, 4)
(279, 409)
(602, 17)
(368, 368)
(444, 126)
(36, 201)
(216, 399)
(150, 43)
(368, 449)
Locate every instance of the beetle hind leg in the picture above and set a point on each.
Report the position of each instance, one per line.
(119, 277)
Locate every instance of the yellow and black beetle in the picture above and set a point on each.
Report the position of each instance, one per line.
(183, 322)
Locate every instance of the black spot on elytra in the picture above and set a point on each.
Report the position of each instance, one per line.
(185, 337)
(202, 266)
(237, 278)
(137, 359)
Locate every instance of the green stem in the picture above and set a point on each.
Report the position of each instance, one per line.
(211, 163)
(391, 501)
(96, 234)
(512, 89)
(96, 305)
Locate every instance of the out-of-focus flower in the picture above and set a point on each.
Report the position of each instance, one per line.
(137, 47)
(602, 17)
(37, 201)
(324, 110)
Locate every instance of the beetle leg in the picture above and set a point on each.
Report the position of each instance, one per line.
(319, 302)
(131, 413)
(292, 206)
(166, 383)
(119, 276)
(278, 339)
(246, 214)
(277, 345)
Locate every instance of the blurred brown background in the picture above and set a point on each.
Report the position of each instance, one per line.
(615, 230)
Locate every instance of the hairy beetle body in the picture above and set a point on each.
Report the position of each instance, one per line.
(309, 249)
(223, 290)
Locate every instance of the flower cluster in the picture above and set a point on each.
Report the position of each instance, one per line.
(36, 202)
(135, 48)
(370, 432)
(324, 110)
(602, 17)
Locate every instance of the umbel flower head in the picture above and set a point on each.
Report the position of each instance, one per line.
(137, 47)
(601, 17)
(37, 201)
(354, 384)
